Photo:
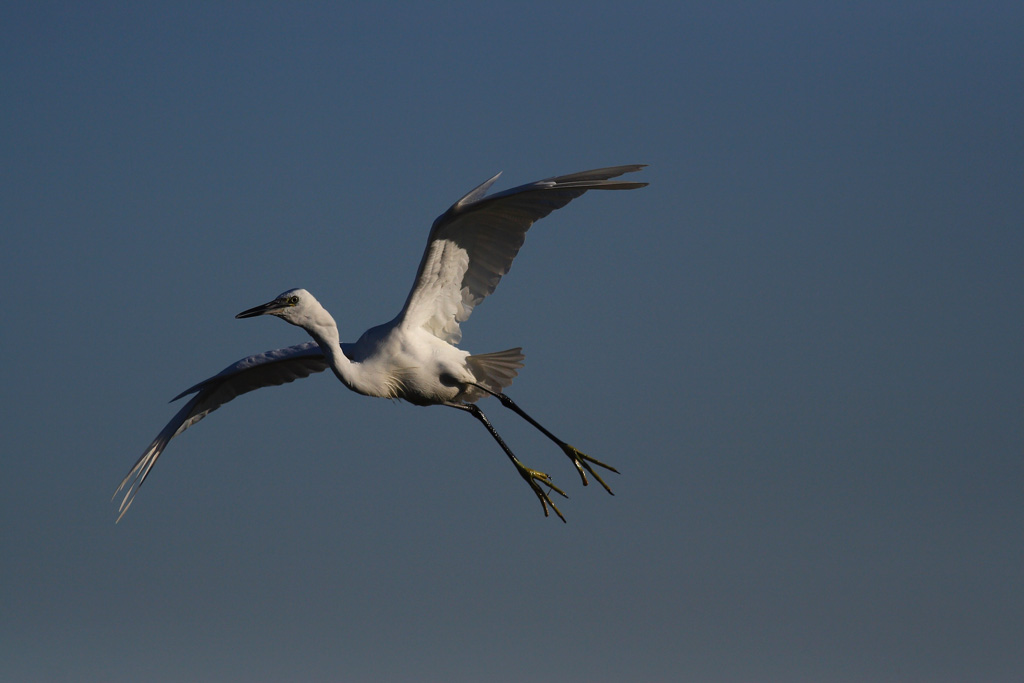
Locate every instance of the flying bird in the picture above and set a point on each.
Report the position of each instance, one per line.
(414, 357)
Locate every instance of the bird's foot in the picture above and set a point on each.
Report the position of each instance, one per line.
(538, 479)
(583, 462)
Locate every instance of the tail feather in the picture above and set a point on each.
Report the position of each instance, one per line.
(496, 370)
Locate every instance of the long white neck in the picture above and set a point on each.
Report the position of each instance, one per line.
(324, 331)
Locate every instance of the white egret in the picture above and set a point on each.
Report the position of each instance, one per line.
(414, 357)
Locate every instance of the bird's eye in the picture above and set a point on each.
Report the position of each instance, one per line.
(292, 300)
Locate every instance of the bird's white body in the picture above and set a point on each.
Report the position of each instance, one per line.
(414, 357)
(410, 363)
(400, 361)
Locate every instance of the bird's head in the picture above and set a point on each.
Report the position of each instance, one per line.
(296, 306)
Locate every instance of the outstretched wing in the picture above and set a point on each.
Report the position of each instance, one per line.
(472, 245)
(261, 370)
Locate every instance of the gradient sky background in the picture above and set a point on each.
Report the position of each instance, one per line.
(802, 344)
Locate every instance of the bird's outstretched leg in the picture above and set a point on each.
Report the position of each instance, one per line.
(532, 477)
(581, 460)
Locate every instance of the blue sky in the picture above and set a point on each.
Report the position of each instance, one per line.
(801, 344)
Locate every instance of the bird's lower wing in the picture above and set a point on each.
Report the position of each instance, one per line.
(279, 366)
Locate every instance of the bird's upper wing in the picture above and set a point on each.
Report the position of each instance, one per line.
(472, 244)
(254, 372)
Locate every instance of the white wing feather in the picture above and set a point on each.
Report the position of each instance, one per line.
(472, 245)
(254, 372)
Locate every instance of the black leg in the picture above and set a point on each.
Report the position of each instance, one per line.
(581, 460)
(534, 478)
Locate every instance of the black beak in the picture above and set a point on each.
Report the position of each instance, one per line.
(262, 309)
